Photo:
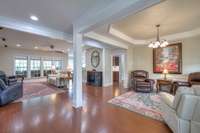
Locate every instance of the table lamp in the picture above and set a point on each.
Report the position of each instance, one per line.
(165, 72)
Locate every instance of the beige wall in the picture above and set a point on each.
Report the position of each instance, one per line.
(7, 56)
(143, 58)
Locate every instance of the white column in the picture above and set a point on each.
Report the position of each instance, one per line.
(125, 70)
(126, 73)
(77, 74)
(41, 68)
(29, 67)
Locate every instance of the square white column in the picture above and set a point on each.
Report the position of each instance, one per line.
(41, 68)
(28, 67)
(77, 72)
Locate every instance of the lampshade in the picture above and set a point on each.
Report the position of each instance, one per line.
(165, 71)
(69, 68)
(158, 43)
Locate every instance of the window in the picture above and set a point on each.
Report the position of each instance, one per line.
(70, 63)
(47, 64)
(21, 67)
(58, 65)
(35, 68)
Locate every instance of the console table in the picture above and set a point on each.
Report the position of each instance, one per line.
(94, 78)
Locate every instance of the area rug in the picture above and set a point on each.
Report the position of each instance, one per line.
(38, 89)
(147, 104)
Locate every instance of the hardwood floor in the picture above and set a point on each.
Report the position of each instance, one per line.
(55, 114)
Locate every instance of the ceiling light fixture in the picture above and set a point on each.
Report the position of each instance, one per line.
(36, 47)
(18, 45)
(158, 43)
(34, 18)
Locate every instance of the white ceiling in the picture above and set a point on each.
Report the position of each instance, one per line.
(29, 41)
(175, 16)
(55, 14)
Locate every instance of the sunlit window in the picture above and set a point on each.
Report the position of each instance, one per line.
(47, 64)
(21, 66)
(57, 64)
(35, 68)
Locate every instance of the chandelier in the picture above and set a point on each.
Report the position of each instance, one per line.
(158, 43)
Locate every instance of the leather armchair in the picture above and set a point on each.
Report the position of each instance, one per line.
(181, 112)
(193, 79)
(10, 93)
(140, 81)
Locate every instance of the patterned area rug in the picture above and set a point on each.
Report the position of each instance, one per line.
(38, 89)
(147, 104)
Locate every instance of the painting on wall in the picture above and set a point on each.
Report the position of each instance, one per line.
(169, 58)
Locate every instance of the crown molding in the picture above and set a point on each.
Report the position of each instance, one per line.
(104, 39)
(181, 35)
(125, 37)
(172, 37)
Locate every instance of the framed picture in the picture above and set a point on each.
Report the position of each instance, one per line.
(169, 58)
(95, 58)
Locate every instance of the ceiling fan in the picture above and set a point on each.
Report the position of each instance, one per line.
(52, 48)
(3, 39)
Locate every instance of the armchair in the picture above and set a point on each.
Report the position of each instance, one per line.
(10, 80)
(181, 112)
(10, 93)
(141, 82)
(193, 79)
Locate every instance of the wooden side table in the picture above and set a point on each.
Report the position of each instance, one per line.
(164, 85)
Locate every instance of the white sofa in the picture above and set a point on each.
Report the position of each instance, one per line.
(182, 111)
(57, 80)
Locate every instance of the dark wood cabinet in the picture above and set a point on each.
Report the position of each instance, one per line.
(94, 78)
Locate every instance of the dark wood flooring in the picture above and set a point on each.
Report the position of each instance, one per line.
(55, 114)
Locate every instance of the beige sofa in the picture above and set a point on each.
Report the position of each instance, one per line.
(182, 111)
(57, 80)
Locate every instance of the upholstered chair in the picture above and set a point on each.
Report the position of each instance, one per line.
(10, 80)
(181, 112)
(10, 93)
(141, 82)
(193, 79)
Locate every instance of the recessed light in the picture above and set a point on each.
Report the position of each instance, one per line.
(34, 18)
(18, 45)
(36, 47)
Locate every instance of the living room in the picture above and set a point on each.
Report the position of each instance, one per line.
(100, 66)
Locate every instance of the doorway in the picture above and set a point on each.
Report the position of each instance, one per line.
(115, 69)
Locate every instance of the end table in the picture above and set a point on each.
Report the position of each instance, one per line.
(164, 85)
